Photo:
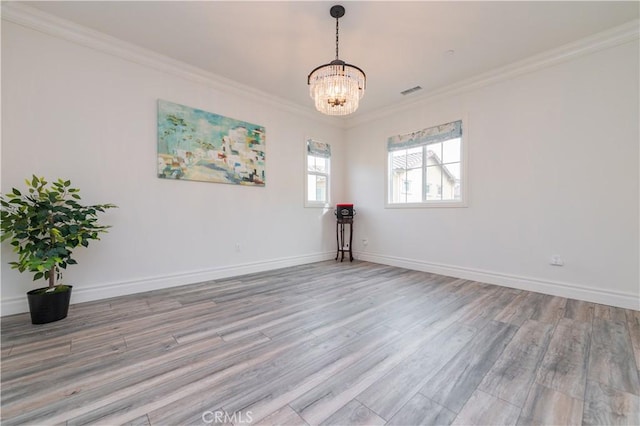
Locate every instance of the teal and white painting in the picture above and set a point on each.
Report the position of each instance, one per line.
(198, 145)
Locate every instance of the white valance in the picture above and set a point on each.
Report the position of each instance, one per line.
(426, 136)
(318, 149)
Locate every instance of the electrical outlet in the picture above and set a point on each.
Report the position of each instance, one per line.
(238, 248)
(365, 242)
(556, 261)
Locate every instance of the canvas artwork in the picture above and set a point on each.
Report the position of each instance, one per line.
(202, 146)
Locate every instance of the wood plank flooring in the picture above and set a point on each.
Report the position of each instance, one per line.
(326, 344)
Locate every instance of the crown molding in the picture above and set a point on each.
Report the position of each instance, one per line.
(610, 38)
(46, 23)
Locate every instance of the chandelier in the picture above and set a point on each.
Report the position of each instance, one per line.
(337, 87)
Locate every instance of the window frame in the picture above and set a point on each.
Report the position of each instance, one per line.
(307, 174)
(464, 167)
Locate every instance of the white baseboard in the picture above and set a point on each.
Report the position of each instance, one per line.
(571, 291)
(17, 305)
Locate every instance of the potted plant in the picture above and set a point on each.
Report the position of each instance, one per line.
(44, 226)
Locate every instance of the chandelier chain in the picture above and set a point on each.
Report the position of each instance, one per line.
(337, 19)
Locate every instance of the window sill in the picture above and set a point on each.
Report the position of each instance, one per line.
(427, 205)
(316, 205)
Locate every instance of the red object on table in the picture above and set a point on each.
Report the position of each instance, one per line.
(344, 211)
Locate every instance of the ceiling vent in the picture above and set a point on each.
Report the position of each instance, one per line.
(408, 91)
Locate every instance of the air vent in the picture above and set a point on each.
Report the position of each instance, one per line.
(413, 89)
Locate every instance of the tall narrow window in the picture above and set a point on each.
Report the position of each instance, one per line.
(433, 161)
(318, 170)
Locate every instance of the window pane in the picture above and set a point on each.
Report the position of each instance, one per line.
(311, 188)
(452, 170)
(451, 181)
(397, 185)
(321, 188)
(397, 176)
(405, 181)
(451, 151)
(444, 185)
(414, 185)
(317, 188)
(398, 160)
(414, 157)
(434, 180)
(318, 164)
(322, 165)
(435, 149)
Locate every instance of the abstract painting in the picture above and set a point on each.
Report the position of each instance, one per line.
(198, 145)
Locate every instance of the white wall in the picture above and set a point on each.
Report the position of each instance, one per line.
(553, 170)
(553, 166)
(74, 112)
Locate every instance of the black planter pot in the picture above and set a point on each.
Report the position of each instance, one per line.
(48, 307)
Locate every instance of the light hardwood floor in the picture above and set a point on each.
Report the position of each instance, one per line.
(326, 343)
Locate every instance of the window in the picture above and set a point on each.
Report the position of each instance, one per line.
(318, 169)
(426, 168)
(407, 186)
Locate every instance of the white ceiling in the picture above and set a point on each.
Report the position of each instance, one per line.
(272, 46)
